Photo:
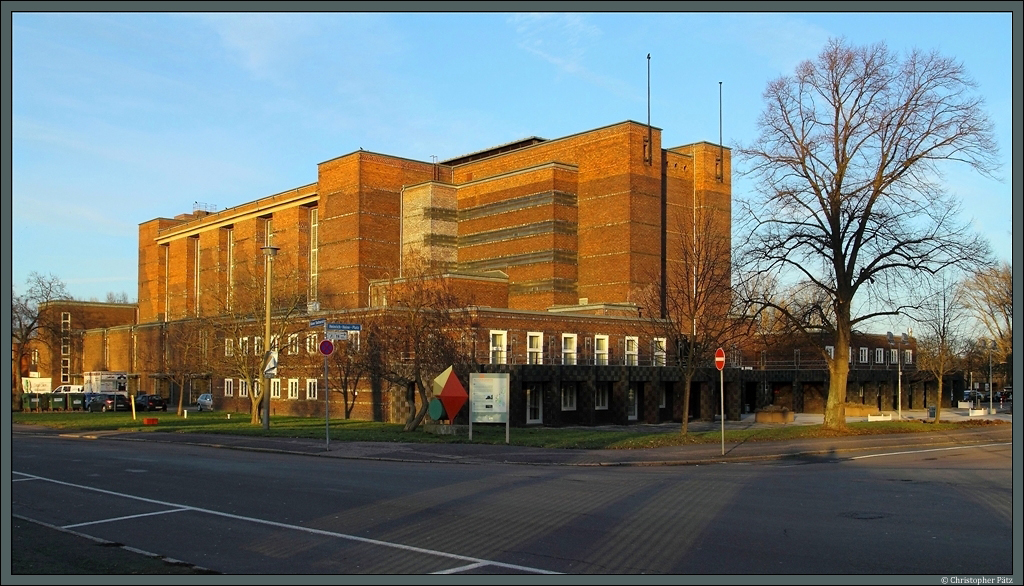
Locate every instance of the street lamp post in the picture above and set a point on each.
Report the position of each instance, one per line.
(991, 345)
(269, 252)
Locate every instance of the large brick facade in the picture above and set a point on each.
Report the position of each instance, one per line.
(549, 237)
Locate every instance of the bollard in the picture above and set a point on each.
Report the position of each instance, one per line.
(186, 413)
(229, 416)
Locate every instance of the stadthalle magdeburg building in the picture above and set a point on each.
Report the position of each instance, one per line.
(549, 239)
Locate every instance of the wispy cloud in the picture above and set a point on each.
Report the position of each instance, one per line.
(263, 44)
(563, 40)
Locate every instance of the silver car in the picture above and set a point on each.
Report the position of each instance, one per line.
(205, 402)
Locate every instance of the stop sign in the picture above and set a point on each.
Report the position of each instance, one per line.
(719, 358)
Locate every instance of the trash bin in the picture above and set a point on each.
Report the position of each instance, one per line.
(76, 401)
(44, 401)
(33, 401)
(26, 401)
(58, 402)
(931, 412)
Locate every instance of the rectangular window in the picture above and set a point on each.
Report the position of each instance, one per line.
(353, 341)
(568, 396)
(195, 271)
(601, 350)
(231, 265)
(894, 356)
(314, 226)
(658, 351)
(229, 347)
(293, 388)
(243, 346)
(498, 348)
(243, 388)
(601, 396)
(167, 280)
(831, 351)
(257, 345)
(569, 349)
(908, 357)
(275, 388)
(275, 342)
(879, 355)
(663, 401)
(65, 346)
(311, 388)
(65, 370)
(849, 351)
(312, 343)
(35, 357)
(863, 355)
(293, 344)
(229, 387)
(534, 348)
(632, 353)
(65, 321)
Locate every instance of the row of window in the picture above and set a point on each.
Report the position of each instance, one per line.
(275, 388)
(569, 392)
(880, 355)
(267, 234)
(241, 345)
(569, 350)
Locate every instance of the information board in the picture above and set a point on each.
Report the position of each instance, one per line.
(488, 397)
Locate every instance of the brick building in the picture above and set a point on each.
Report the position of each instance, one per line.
(72, 339)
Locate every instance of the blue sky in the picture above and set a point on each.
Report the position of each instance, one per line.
(121, 118)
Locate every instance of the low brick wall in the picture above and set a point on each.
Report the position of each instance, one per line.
(786, 416)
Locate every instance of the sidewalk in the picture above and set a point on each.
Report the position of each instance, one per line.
(828, 448)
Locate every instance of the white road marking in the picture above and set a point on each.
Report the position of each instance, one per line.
(400, 546)
(123, 518)
(930, 450)
(461, 568)
(22, 479)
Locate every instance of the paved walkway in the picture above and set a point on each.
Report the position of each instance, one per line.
(749, 450)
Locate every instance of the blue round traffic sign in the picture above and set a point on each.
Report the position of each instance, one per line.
(326, 347)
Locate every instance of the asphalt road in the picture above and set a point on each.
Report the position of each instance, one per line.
(880, 509)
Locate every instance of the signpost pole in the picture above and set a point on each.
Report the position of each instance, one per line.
(720, 365)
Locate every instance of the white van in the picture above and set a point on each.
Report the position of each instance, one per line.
(69, 389)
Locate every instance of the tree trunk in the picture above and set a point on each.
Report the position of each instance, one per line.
(257, 401)
(938, 400)
(421, 412)
(687, 384)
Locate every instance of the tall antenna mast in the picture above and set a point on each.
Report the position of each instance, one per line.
(649, 155)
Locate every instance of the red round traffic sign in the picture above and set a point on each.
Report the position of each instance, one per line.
(719, 359)
(326, 347)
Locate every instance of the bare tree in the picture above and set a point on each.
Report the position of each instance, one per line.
(416, 336)
(31, 323)
(988, 293)
(697, 312)
(237, 326)
(187, 353)
(850, 199)
(942, 319)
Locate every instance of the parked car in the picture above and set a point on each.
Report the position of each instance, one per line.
(87, 398)
(205, 402)
(150, 403)
(107, 402)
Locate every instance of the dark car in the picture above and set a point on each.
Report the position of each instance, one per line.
(150, 403)
(107, 402)
(87, 398)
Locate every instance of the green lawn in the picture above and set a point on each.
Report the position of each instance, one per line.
(544, 437)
